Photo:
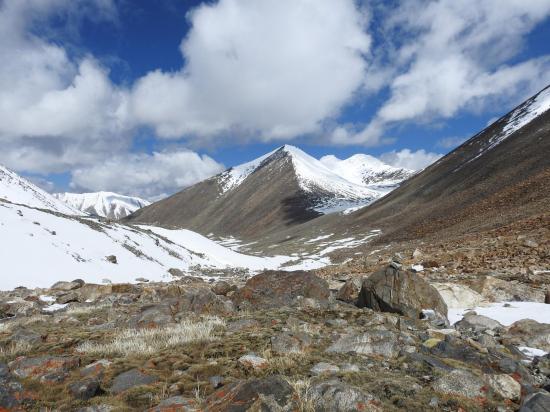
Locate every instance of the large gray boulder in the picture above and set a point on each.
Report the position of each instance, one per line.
(402, 292)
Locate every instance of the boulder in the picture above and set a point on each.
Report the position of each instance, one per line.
(273, 289)
(536, 402)
(84, 389)
(504, 386)
(177, 403)
(290, 342)
(497, 290)
(374, 342)
(398, 291)
(68, 298)
(67, 286)
(477, 323)
(222, 288)
(458, 296)
(154, 316)
(335, 396)
(460, 382)
(26, 337)
(528, 332)
(272, 393)
(37, 367)
(349, 292)
(131, 379)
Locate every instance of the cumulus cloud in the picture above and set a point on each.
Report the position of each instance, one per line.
(148, 176)
(410, 160)
(270, 69)
(451, 142)
(452, 56)
(64, 108)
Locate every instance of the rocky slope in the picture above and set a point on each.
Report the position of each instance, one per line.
(279, 341)
(497, 177)
(274, 192)
(104, 204)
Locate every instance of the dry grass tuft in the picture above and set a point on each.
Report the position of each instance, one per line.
(151, 341)
(302, 391)
(15, 349)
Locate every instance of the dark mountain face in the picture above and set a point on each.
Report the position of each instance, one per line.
(500, 175)
(270, 200)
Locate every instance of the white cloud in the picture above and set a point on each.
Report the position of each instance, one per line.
(410, 160)
(451, 56)
(451, 142)
(269, 69)
(63, 108)
(148, 176)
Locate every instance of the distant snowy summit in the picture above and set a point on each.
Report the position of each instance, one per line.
(16, 189)
(336, 184)
(104, 204)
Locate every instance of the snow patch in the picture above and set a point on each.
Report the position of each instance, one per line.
(505, 314)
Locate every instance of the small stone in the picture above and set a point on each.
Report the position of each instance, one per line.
(142, 280)
(111, 259)
(84, 389)
(323, 368)
(252, 361)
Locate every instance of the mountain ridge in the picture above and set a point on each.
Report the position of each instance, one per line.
(104, 204)
(282, 188)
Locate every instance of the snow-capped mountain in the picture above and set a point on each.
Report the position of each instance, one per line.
(104, 204)
(282, 188)
(367, 170)
(16, 189)
(333, 191)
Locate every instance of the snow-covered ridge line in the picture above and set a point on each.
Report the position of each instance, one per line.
(104, 204)
(519, 118)
(17, 189)
(341, 184)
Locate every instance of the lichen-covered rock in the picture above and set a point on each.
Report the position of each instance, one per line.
(84, 389)
(322, 368)
(38, 367)
(273, 393)
(252, 361)
(334, 396)
(477, 323)
(536, 402)
(505, 386)
(528, 332)
(177, 403)
(349, 292)
(131, 379)
(273, 289)
(398, 291)
(460, 382)
(375, 342)
(290, 342)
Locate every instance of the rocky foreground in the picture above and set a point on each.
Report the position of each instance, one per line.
(281, 341)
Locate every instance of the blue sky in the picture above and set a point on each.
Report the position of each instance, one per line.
(146, 97)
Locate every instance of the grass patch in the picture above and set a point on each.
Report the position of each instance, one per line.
(15, 349)
(151, 341)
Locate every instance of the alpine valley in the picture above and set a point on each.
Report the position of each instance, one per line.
(289, 283)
